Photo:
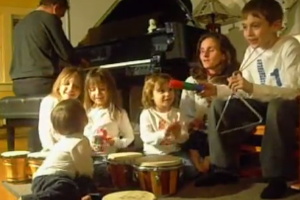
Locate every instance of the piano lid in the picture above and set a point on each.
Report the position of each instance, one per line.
(125, 9)
(130, 18)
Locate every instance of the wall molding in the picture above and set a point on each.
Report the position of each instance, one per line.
(5, 87)
(8, 15)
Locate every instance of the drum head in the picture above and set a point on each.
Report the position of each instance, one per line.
(158, 161)
(124, 156)
(14, 154)
(130, 195)
(38, 155)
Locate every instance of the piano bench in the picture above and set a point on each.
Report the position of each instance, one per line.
(20, 112)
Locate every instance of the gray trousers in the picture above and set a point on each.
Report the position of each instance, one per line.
(33, 86)
(278, 143)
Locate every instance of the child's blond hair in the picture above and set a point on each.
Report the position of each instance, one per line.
(150, 82)
(65, 75)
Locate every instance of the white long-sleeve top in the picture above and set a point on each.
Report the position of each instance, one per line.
(152, 134)
(121, 127)
(192, 105)
(274, 72)
(70, 156)
(48, 136)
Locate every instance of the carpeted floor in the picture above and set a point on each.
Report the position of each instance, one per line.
(245, 190)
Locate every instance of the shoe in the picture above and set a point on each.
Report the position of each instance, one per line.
(276, 189)
(215, 178)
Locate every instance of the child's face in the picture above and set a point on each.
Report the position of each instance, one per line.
(163, 97)
(70, 88)
(210, 54)
(258, 31)
(99, 95)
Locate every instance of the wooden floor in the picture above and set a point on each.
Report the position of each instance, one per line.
(21, 144)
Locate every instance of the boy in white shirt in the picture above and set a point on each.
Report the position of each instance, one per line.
(67, 171)
(269, 79)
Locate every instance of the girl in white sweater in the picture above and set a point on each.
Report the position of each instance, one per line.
(68, 85)
(109, 128)
(161, 126)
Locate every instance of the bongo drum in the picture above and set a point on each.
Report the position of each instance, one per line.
(34, 161)
(15, 165)
(159, 173)
(130, 195)
(120, 168)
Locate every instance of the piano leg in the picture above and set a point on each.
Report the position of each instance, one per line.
(10, 138)
(33, 136)
(34, 143)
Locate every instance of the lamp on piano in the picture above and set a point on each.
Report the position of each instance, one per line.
(214, 14)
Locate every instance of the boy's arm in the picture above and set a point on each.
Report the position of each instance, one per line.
(82, 157)
(147, 132)
(289, 79)
(224, 91)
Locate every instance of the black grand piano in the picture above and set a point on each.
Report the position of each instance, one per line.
(120, 41)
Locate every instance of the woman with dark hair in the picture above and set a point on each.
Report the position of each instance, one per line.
(217, 62)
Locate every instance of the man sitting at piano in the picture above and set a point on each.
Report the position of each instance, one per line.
(40, 48)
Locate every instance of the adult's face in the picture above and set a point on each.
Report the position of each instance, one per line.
(210, 54)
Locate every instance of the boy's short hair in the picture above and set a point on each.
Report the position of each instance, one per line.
(69, 117)
(270, 9)
(62, 3)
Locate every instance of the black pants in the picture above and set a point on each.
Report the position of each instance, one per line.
(55, 187)
(278, 141)
(33, 86)
(198, 141)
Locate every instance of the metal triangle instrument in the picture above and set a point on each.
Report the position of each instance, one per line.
(253, 124)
